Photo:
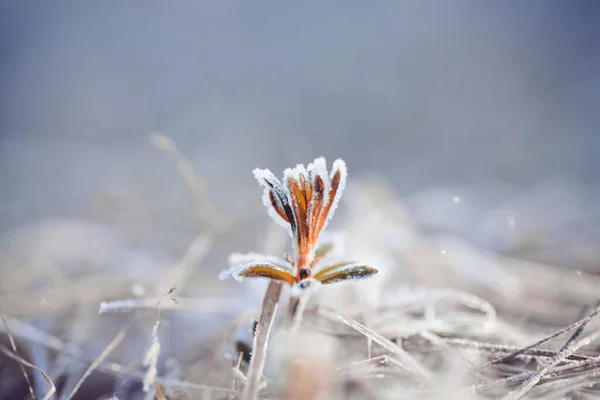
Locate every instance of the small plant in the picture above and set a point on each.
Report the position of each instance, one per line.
(303, 202)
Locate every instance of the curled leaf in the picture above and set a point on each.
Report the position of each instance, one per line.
(344, 271)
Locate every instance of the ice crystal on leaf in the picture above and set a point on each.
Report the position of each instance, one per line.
(303, 201)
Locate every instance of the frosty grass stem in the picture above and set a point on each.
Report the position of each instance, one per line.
(568, 349)
(18, 358)
(261, 339)
(14, 348)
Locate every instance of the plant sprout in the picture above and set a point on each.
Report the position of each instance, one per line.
(303, 202)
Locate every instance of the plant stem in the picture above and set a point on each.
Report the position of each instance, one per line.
(261, 339)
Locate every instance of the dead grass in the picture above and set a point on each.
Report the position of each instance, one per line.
(423, 328)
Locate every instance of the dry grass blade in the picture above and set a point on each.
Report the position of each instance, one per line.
(582, 322)
(16, 357)
(237, 374)
(184, 304)
(296, 311)
(180, 272)
(435, 339)
(153, 352)
(177, 384)
(160, 392)
(404, 357)
(30, 332)
(197, 250)
(560, 381)
(558, 389)
(105, 353)
(187, 170)
(151, 359)
(580, 329)
(502, 348)
(14, 347)
(261, 339)
(571, 347)
(378, 361)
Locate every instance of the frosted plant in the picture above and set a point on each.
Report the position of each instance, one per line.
(303, 202)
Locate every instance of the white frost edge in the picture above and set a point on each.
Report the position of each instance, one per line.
(338, 165)
(232, 273)
(338, 241)
(350, 265)
(262, 175)
(235, 271)
(151, 359)
(312, 288)
(319, 168)
(247, 258)
(294, 173)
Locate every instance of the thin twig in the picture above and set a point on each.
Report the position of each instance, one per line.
(180, 273)
(298, 306)
(105, 353)
(435, 339)
(30, 332)
(580, 323)
(237, 373)
(561, 369)
(151, 356)
(188, 172)
(375, 362)
(568, 349)
(381, 340)
(567, 385)
(261, 339)
(502, 348)
(184, 304)
(16, 357)
(14, 347)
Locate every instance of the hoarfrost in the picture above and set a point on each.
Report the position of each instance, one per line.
(306, 287)
(246, 258)
(264, 177)
(338, 165)
(236, 271)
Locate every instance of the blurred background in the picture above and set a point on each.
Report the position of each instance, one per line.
(481, 118)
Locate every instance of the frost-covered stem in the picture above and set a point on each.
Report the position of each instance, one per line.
(261, 339)
(292, 309)
(387, 344)
(582, 322)
(14, 348)
(568, 349)
(296, 311)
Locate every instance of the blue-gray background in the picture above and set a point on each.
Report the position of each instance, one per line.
(425, 93)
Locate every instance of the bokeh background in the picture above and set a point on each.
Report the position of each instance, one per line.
(482, 117)
(424, 93)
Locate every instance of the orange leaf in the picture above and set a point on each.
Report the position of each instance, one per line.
(344, 271)
(267, 270)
